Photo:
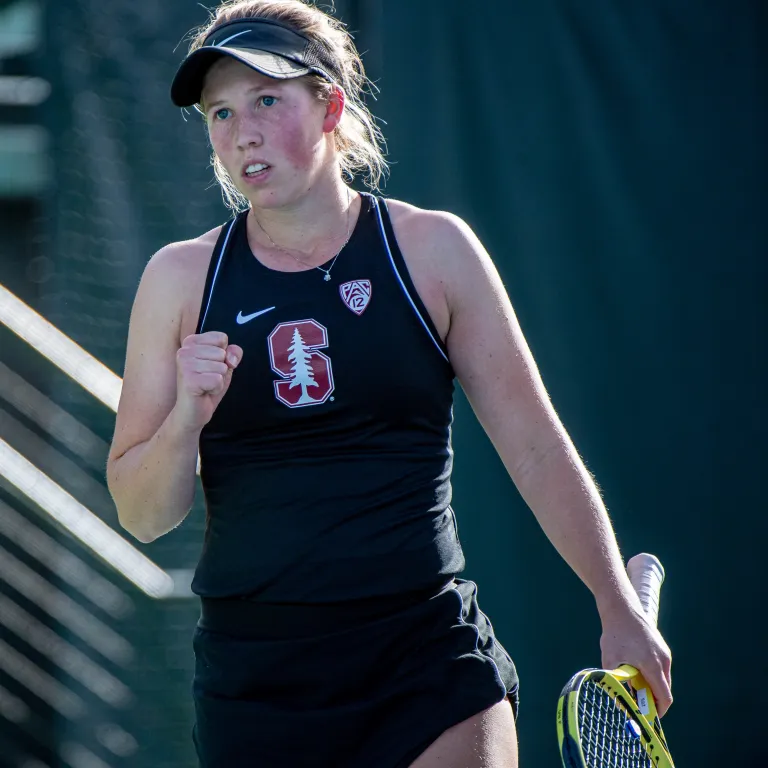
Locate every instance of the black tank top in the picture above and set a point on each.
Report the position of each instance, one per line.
(326, 467)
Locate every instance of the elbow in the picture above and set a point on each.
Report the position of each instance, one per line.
(138, 529)
(129, 521)
(145, 537)
(532, 460)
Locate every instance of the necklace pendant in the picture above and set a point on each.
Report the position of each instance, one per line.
(327, 278)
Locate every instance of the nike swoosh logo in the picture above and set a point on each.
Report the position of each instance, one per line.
(242, 319)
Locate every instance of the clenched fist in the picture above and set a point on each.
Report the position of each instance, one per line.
(204, 366)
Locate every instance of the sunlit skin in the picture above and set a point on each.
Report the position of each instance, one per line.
(301, 200)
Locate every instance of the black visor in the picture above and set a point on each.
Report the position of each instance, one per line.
(267, 46)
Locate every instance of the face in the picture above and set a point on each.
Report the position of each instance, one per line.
(274, 137)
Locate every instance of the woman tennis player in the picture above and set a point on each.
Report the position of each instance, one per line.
(308, 349)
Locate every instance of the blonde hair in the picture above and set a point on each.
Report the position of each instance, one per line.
(358, 139)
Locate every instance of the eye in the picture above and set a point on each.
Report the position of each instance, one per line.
(268, 101)
(221, 114)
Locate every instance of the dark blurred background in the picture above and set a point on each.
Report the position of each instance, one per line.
(612, 158)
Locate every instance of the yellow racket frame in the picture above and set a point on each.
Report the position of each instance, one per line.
(611, 681)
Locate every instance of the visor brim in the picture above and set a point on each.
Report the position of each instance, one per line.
(187, 86)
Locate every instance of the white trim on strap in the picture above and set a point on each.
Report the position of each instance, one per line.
(402, 284)
(216, 273)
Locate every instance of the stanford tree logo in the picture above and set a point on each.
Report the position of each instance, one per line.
(306, 374)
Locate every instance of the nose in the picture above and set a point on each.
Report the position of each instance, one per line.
(248, 134)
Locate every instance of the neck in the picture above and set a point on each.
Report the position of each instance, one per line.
(307, 226)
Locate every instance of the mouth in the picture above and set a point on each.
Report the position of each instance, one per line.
(255, 170)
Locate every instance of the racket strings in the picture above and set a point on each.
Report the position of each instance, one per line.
(609, 735)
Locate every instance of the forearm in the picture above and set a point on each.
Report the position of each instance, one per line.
(566, 502)
(153, 483)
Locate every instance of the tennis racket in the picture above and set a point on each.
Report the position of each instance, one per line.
(608, 719)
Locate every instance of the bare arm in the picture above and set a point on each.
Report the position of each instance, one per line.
(152, 461)
(170, 391)
(153, 483)
(497, 371)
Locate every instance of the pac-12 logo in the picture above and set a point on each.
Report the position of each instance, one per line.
(307, 376)
(356, 294)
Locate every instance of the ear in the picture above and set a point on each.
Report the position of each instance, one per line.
(334, 109)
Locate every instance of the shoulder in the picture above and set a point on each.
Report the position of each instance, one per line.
(179, 259)
(175, 276)
(437, 233)
(443, 243)
(438, 250)
(430, 226)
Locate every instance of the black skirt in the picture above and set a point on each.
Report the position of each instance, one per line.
(364, 685)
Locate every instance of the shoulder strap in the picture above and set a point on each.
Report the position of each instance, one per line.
(403, 277)
(217, 258)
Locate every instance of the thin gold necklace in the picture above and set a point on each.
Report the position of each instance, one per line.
(327, 272)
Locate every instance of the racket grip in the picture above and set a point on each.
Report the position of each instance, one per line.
(647, 574)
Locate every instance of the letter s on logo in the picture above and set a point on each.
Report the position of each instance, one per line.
(306, 374)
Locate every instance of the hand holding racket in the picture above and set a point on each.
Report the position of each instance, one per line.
(608, 718)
